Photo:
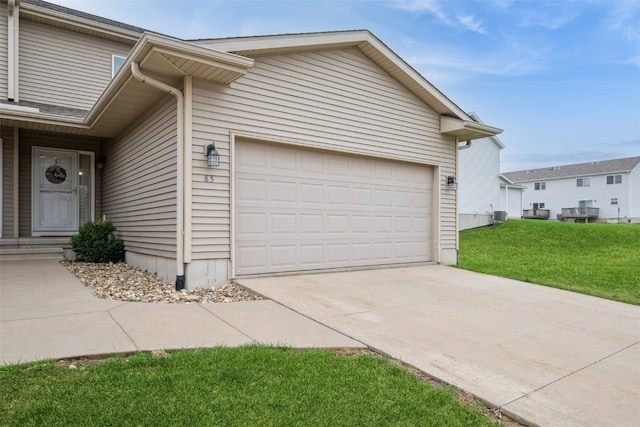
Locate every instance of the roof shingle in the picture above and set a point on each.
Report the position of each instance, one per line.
(575, 170)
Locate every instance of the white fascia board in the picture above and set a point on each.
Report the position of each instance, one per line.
(507, 182)
(464, 129)
(33, 115)
(253, 43)
(494, 138)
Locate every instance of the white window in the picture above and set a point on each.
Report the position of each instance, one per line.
(540, 186)
(614, 179)
(116, 63)
(585, 203)
(583, 182)
(539, 205)
(614, 201)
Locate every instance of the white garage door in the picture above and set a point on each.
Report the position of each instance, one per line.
(299, 210)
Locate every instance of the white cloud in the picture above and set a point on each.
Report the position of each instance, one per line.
(513, 60)
(420, 6)
(552, 16)
(471, 23)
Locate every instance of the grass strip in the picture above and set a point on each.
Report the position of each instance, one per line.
(243, 386)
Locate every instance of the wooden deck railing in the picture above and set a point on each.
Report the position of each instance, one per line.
(535, 213)
(580, 212)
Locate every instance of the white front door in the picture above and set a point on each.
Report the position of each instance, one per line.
(55, 192)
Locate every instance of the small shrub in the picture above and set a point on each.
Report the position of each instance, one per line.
(96, 242)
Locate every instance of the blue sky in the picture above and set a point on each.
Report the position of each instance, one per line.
(562, 77)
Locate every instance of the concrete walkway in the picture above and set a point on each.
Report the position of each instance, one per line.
(45, 312)
(545, 356)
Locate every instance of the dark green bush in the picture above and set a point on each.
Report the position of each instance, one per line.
(96, 242)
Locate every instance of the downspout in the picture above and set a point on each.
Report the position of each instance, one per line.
(13, 18)
(135, 70)
(465, 146)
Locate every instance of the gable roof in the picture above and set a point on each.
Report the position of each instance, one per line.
(576, 170)
(221, 60)
(64, 17)
(455, 121)
(506, 182)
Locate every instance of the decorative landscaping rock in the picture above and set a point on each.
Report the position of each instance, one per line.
(120, 281)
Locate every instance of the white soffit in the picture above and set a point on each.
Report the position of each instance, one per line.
(466, 130)
(125, 99)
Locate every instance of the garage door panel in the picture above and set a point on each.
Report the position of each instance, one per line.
(338, 253)
(360, 196)
(283, 255)
(253, 190)
(360, 224)
(382, 224)
(252, 257)
(311, 194)
(299, 210)
(338, 195)
(284, 224)
(252, 224)
(311, 224)
(421, 201)
(337, 224)
(282, 192)
(361, 168)
(361, 252)
(311, 163)
(338, 166)
(312, 255)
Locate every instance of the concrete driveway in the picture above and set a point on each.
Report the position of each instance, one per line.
(542, 355)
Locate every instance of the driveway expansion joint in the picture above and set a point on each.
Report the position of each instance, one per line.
(226, 322)
(135, 344)
(571, 373)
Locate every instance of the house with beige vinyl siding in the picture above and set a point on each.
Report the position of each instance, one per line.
(333, 152)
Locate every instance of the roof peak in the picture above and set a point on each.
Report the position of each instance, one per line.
(596, 167)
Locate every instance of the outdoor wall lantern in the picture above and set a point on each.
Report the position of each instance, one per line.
(451, 183)
(213, 157)
(100, 162)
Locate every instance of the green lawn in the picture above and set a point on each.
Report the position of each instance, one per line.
(244, 386)
(594, 259)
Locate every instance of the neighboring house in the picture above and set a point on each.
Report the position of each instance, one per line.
(333, 152)
(607, 190)
(479, 182)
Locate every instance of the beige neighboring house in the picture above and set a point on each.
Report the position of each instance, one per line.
(333, 151)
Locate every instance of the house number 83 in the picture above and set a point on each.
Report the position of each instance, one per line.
(208, 178)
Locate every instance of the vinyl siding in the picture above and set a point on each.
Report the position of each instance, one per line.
(7, 182)
(64, 68)
(564, 193)
(478, 178)
(31, 139)
(514, 207)
(335, 100)
(139, 183)
(634, 194)
(3, 51)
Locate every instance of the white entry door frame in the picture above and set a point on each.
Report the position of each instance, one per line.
(55, 200)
